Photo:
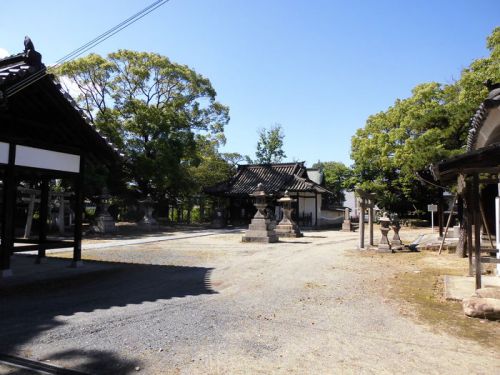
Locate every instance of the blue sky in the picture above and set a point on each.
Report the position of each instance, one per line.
(319, 68)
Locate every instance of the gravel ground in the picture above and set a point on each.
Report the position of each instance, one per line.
(213, 305)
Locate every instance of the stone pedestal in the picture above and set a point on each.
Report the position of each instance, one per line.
(347, 225)
(396, 243)
(219, 219)
(148, 222)
(104, 222)
(384, 246)
(287, 227)
(261, 227)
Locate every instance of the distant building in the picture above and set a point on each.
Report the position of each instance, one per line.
(276, 178)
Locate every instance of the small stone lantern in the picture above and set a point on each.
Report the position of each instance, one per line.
(261, 228)
(104, 222)
(384, 245)
(148, 221)
(396, 243)
(287, 227)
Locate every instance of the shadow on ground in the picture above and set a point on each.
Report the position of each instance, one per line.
(29, 309)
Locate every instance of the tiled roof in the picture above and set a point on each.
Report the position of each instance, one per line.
(477, 121)
(20, 73)
(276, 178)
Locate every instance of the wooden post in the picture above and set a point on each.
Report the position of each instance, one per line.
(447, 225)
(9, 205)
(462, 240)
(370, 224)
(77, 249)
(361, 223)
(44, 209)
(477, 230)
(440, 212)
(469, 222)
(316, 209)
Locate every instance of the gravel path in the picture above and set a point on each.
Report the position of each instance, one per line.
(213, 305)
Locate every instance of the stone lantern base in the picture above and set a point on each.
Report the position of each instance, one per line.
(347, 226)
(260, 230)
(288, 230)
(104, 223)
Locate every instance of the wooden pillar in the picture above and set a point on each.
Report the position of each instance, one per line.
(316, 209)
(462, 240)
(361, 224)
(468, 222)
(77, 249)
(440, 212)
(477, 230)
(9, 206)
(44, 210)
(370, 224)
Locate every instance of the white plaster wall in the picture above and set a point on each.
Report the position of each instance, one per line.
(46, 159)
(4, 153)
(306, 205)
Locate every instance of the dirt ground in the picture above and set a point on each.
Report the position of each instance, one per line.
(214, 305)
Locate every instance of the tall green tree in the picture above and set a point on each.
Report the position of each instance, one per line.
(337, 179)
(270, 145)
(430, 125)
(154, 110)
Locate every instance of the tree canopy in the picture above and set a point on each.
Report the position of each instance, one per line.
(429, 126)
(163, 115)
(337, 179)
(270, 145)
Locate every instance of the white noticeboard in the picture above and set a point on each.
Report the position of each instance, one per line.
(432, 207)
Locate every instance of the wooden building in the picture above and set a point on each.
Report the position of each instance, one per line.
(476, 174)
(276, 179)
(43, 136)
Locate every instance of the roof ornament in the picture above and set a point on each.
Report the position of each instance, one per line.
(28, 44)
(33, 58)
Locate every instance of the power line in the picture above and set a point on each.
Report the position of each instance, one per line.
(87, 46)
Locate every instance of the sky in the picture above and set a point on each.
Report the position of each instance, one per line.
(317, 67)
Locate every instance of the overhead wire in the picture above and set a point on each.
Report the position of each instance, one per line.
(86, 47)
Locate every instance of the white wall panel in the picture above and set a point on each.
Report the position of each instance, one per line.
(4, 153)
(45, 159)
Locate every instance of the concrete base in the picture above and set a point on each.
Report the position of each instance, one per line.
(77, 264)
(260, 230)
(397, 245)
(347, 226)
(104, 224)
(459, 287)
(5, 273)
(268, 239)
(383, 248)
(288, 230)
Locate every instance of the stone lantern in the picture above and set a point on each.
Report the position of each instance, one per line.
(287, 227)
(384, 245)
(104, 222)
(261, 228)
(396, 243)
(148, 221)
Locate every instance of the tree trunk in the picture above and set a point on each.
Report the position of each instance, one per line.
(462, 243)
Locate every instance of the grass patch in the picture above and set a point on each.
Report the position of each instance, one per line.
(422, 297)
